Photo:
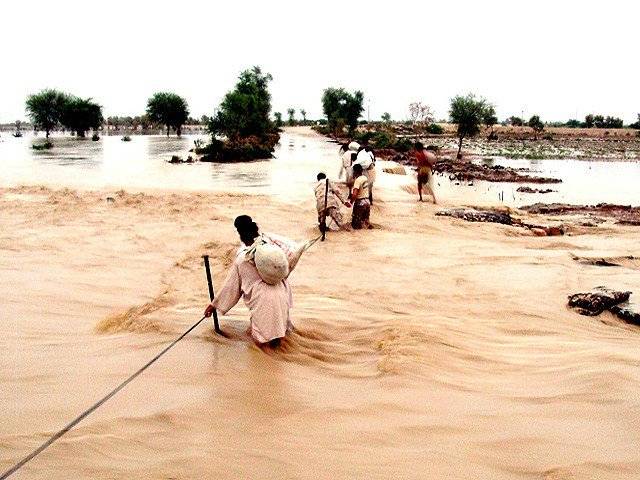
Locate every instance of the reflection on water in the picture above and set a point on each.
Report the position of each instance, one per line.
(142, 163)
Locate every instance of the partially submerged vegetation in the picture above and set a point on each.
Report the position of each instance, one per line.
(242, 128)
(168, 109)
(51, 109)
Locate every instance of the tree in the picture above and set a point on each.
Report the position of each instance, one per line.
(291, 112)
(386, 117)
(45, 109)
(303, 112)
(515, 121)
(573, 123)
(589, 121)
(245, 110)
(278, 116)
(80, 115)
(468, 112)
(168, 109)
(342, 108)
(613, 122)
(636, 125)
(489, 117)
(536, 124)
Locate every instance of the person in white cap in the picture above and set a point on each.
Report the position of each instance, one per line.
(347, 158)
(269, 304)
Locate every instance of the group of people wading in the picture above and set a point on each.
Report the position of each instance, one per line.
(260, 271)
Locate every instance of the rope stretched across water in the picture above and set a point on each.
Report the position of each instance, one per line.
(93, 407)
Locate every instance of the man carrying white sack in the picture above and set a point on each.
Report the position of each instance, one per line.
(348, 154)
(259, 275)
(331, 216)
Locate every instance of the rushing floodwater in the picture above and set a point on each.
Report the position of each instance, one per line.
(142, 163)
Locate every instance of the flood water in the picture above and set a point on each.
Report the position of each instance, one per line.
(143, 163)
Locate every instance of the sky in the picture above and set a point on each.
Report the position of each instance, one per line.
(560, 59)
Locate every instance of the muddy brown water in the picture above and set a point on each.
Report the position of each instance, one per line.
(426, 348)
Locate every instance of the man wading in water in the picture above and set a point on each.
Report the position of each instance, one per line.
(269, 305)
(334, 201)
(360, 200)
(425, 161)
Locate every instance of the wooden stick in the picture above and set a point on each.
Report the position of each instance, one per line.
(324, 217)
(216, 326)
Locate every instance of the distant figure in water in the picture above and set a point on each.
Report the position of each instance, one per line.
(334, 202)
(269, 305)
(425, 161)
(360, 199)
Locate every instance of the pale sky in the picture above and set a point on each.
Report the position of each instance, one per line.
(559, 59)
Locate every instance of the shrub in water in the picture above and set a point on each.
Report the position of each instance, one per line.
(43, 146)
(126, 138)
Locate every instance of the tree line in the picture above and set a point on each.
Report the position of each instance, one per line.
(51, 109)
(242, 125)
(590, 121)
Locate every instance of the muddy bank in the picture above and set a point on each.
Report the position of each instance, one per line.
(466, 171)
(599, 299)
(521, 142)
(503, 217)
(623, 214)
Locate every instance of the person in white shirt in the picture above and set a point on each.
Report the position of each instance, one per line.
(347, 158)
(367, 160)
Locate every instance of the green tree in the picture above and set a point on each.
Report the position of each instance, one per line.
(278, 116)
(386, 117)
(303, 112)
(342, 108)
(45, 109)
(468, 112)
(598, 121)
(489, 117)
(168, 109)
(573, 123)
(79, 115)
(291, 112)
(515, 121)
(613, 122)
(536, 124)
(245, 110)
(589, 121)
(636, 125)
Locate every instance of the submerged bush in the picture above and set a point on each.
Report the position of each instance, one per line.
(126, 138)
(246, 148)
(43, 146)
